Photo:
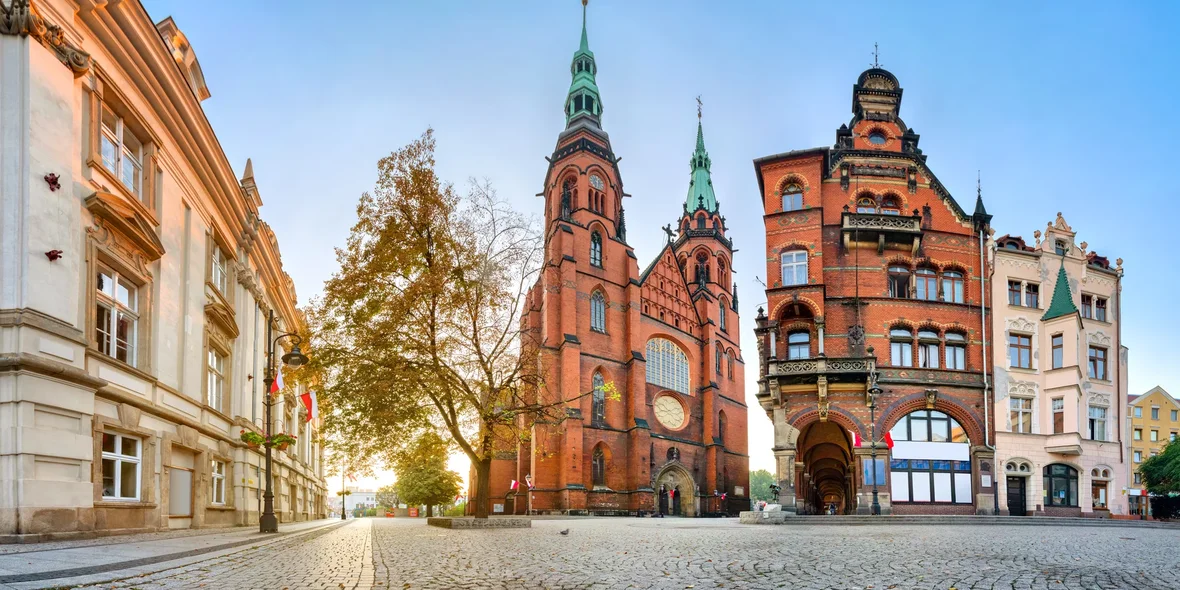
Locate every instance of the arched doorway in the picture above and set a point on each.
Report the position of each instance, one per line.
(676, 491)
(825, 482)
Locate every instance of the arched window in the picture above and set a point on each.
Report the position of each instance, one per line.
(937, 463)
(721, 276)
(1061, 485)
(598, 312)
(567, 198)
(877, 137)
(701, 221)
(925, 284)
(866, 204)
(721, 427)
(952, 286)
(598, 401)
(792, 198)
(794, 267)
(1061, 247)
(889, 206)
(899, 282)
(596, 249)
(721, 312)
(956, 351)
(799, 345)
(718, 362)
(598, 468)
(667, 365)
(729, 360)
(928, 349)
(702, 273)
(901, 347)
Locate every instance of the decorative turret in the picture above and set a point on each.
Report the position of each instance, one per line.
(583, 101)
(700, 188)
(980, 216)
(1062, 303)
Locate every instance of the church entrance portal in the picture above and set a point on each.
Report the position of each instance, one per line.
(677, 494)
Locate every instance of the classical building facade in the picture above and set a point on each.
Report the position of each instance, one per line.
(135, 281)
(1155, 421)
(1060, 376)
(666, 337)
(874, 274)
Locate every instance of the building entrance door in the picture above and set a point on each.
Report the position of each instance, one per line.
(1016, 499)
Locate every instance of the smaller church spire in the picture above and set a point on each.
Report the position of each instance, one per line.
(980, 216)
(700, 187)
(583, 101)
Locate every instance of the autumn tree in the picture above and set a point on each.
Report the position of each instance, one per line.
(419, 328)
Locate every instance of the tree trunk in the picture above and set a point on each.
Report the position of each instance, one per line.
(483, 485)
(429, 510)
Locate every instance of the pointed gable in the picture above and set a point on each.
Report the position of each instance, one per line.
(664, 293)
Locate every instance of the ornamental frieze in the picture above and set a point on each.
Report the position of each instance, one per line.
(19, 17)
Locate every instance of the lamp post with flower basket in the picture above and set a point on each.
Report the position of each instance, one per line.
(269, 522)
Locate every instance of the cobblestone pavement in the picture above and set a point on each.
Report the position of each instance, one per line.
(677, 553)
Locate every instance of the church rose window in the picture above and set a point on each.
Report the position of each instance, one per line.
(667, 365)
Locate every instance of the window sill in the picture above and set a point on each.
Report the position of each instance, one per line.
(1026, 370)
(118, 364)
(113, 503)
(220, 507)
(117, 187)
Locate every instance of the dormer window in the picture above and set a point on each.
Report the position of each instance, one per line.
(876, 137)
(1061, 247)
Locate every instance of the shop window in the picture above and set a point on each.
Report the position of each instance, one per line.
(1061, 485)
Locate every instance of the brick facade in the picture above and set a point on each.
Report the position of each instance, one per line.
(837, 221)
(587, 257)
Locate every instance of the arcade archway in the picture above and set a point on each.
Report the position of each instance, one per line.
(825, 480)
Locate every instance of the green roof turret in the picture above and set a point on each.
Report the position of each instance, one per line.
(700, 187)
(583, 100)
(1062, 303)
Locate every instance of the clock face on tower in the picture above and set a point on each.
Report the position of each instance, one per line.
(669, 412)
(596, 182)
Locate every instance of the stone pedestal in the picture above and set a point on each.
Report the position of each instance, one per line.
(467, 523)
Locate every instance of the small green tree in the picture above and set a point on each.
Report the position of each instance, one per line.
(1161, 477)
(422, 474)
(760, 482)
(387, 496)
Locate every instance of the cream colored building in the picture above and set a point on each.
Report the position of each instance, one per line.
(1060, 376)
(135, 279)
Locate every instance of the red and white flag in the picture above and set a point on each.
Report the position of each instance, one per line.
(277, 385)
(855, 438)
(309, 402)
(514, 485)
(888, 440)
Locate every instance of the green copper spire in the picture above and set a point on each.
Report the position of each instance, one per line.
(583, 99)
(1062, 303)
(700, 188)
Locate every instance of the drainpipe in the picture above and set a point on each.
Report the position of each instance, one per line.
(987, 406)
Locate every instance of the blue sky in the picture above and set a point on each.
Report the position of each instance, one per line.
(1062, 106)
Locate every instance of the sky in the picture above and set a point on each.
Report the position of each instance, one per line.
(1059, 106)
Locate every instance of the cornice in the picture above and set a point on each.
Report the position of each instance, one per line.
(21, 18)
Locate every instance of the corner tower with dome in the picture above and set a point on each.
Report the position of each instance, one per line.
(664, 338)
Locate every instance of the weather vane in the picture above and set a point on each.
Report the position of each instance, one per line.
(876, 55)
(699, 105)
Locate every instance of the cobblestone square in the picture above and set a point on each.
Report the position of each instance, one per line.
(611, 553)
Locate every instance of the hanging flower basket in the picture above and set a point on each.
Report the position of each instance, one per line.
(252, 439)
(282, 440)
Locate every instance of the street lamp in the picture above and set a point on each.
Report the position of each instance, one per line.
(268, 522)
(874, 391)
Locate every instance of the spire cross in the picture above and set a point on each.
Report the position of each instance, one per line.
(978, 186)
(699, 105)
(876, 53)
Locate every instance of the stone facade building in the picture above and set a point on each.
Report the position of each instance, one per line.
(874, 272)
(135, 282)
(1060, 376)
(666, 337)
(1155, 421)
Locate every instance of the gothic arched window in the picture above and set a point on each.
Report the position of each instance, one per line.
(598, 312)
(598, 401)
(729, 357)
(598, 467)
(667, 365)
(567, 198)
(596, 249)
(721, 427)
(718, 361)
(721, 311)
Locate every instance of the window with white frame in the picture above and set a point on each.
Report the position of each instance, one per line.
(1097, 423)
(927, 349)
(798, 345)
(216, 379)
(219, 270)
(901, 347)
(792, 198)
(121, 456)
(667, 365)
(794, 267)
(956, 351)
(952, 286)
(1021, 410)
(217, 477)
(122, 152)
(117, 319)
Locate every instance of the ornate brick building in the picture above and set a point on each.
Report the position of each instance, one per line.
(874, 273)
(666, 337)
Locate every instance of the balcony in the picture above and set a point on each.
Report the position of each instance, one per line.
(895, 231)
(1066, 443)
(836, 370)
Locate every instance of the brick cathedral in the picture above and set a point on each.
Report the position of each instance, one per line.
(664, 337)
(875, 286)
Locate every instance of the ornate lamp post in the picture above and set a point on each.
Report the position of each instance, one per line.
(268, 522)
(874, 391)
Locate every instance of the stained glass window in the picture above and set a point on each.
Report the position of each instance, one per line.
(667, 365)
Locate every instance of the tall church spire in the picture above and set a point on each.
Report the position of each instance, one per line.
(583, 101)
(700, 188)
